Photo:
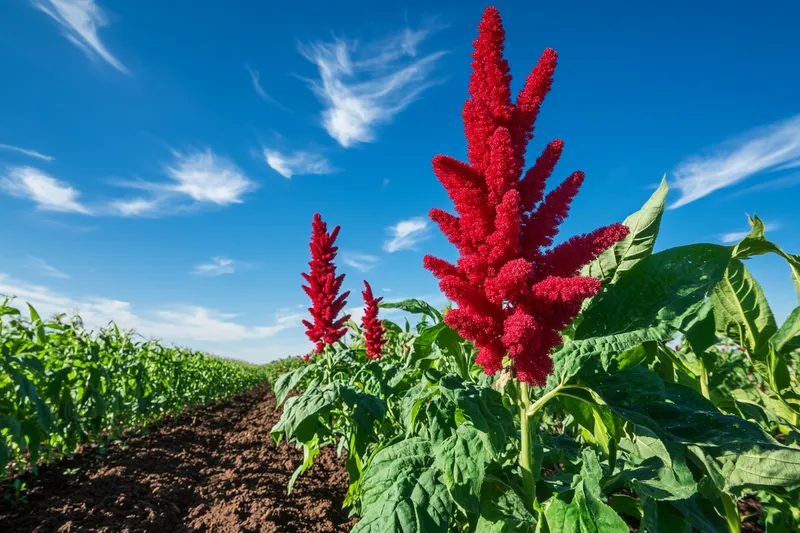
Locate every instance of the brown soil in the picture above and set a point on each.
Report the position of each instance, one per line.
(212, 469)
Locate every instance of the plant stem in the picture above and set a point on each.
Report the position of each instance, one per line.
(538, 404)
(525, 446)
(731, 513)
(704, 381)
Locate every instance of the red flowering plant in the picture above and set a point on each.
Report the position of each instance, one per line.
(371, 324)
(515, 293)
(323, 288)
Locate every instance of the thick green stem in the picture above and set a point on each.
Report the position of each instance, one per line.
(525, 446)
(704, 381)
(731, 513)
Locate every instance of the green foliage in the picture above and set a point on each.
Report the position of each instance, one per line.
(61, 385)
(630, 433)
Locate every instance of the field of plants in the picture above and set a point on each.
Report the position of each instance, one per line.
(581, 385)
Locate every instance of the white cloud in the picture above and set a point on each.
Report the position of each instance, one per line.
(135, 207)
(80, 20)
(207, 177)
(386, 290)
(46, 268)
(771, 148)
(175, 323)
(297, 163)
(363, 86)
(361, 262)
(47, 192)
(406, 234)
(256, 79)
(783, 182)
(217, 267)
(736, 236)
(23, 151)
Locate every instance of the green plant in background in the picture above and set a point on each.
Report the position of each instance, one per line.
(62, 386)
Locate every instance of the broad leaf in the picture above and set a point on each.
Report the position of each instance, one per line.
(502, 511)
(463, 459)
(288, 381)
(587, 512)
(666, 288)
(756, 244)
(787, 334)
(644, 224)
(741, 311)
(402, 491)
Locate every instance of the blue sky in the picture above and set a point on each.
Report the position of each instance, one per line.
(160, 162)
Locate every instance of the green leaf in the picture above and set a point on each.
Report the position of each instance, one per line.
(402, 491)
(756, 244)
(587, 356)
(502, 511)
(415, 307)
(666, 288)
(587, 512)
(301, 414)
(788, 332)
(288, 382)
(592, 412)
(462, 459)
(614, 262)
(36, 319)
(661, 517)
(741, 311)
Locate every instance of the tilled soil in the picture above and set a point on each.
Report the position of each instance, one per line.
(212, 469)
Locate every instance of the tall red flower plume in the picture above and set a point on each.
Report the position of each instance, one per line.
(514, 293)
(323, 288)
(373, 328)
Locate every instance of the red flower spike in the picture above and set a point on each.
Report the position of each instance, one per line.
(373, 328)
(513, 297)
(323, 288)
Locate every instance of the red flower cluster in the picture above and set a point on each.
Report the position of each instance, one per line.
(323, 288)
(373, 328)
(514, 293)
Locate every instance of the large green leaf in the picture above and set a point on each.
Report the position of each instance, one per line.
(414, 306)
(301, 414)
(661, 517)
(666, 288)
(462, 459)
(741, 311)
(755, 243)
(787, 334)
(587, 512)
(644, 224)
(288, 381)
(502, 511)
(403, 491)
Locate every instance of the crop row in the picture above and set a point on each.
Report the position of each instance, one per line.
(62, 386)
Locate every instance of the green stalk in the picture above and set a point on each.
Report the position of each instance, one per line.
(525, 446)
(731, 513)
(704, 381)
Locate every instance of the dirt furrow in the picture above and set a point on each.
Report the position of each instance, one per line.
(212, 469)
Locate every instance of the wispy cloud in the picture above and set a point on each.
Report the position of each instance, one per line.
(216, 267)
(49, 193)
(207, 177)
(46, 269)
(135, 207)
(80, 20)
(783, 182)
(298, 163)
(255, 77)
(178, 322)
(406, 234)
(197, 177)
(364, 85)
(736, 236)
(361, 262)
(23, 151)
(770, 148)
